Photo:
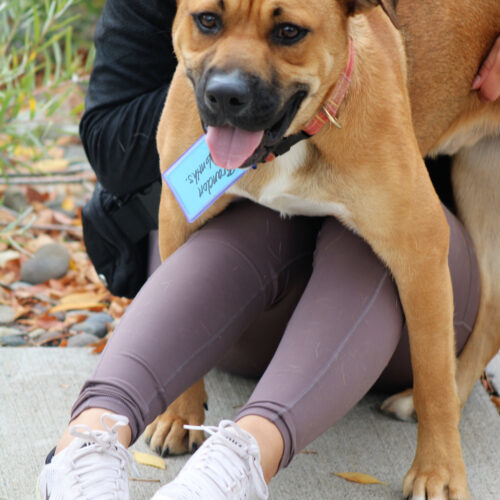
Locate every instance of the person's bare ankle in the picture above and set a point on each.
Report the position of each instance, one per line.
(92, 418)
(270, 442)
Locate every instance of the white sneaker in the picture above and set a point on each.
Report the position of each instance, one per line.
(93, 466)
(225, 467)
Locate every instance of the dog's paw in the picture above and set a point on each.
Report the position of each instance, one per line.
(400, 406)
(437, 481)
(167, 436)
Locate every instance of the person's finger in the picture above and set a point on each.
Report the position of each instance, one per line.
(488, 79)
(490, 88)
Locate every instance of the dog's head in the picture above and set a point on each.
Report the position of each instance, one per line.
(261, 68)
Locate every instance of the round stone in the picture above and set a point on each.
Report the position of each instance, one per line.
(4, 331)
(100, 317)
(15, 199)
(7, 314)
(36, 334)
(49, 262)
(81, 340)
(13, 341)
(96, 328)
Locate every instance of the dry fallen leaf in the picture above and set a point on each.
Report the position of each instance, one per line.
(51, 165)
(98, 346)
(496, 401)
(8, 255)
(358, 477)
(76, 301)
(83, 298)
(68, 204)
(308, 452)
(74, 306)
(148, 459)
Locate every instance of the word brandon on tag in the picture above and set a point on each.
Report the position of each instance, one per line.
(196, 181)
(216, 174)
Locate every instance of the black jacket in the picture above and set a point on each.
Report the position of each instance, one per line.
(128, 86)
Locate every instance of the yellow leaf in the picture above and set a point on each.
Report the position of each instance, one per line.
(68, 204)
(32, 56)
(359, 477)
(77, 301)
(32, 105)
(51, 165)
(24, 152)
(148, 459)
(75, 298)
(75, 306)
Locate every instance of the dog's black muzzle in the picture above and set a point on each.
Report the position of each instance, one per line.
(245, 101)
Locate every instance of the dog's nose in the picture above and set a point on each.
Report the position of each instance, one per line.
(227, 93)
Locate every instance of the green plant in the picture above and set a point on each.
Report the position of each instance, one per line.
(39, 67)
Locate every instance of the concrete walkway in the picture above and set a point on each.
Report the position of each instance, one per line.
(38, 385)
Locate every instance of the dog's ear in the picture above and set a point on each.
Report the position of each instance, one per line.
(357, 6)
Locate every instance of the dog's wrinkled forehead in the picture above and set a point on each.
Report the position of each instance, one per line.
(257, 35)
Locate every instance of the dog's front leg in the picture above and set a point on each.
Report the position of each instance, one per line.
(408, 230)
(179, 128)
(425, 289)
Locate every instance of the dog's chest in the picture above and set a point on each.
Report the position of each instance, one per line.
(290, 192)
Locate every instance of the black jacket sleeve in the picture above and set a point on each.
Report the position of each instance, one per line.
(128, 86)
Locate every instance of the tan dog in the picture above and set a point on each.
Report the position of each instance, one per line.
(409, 96)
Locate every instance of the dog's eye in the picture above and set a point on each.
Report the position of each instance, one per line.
(208, 23)
(288, 34)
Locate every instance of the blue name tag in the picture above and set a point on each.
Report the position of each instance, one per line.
(196, 181)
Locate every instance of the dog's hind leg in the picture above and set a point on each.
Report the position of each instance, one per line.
(476, 185)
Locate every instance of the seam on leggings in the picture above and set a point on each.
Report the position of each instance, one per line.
(344, 341)
(241, 254)
(473, 269)
(226, 325)
(463, 323)
(142, 362)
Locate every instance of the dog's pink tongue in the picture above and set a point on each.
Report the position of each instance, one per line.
(230, 147)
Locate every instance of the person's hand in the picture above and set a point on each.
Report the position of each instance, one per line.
(487, 82)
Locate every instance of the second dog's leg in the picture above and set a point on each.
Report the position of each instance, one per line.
(476, 185)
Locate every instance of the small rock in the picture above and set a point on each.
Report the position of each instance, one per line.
(36, 334)
(13, 341)
(75, 153)
(15, 199)
(49, 262)
(7, 314)
(100, 317)
(4, 331)
(95, 328)
(18, 285)
(48, 337)
(81, 340)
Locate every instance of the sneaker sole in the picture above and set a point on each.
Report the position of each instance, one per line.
(37, 491)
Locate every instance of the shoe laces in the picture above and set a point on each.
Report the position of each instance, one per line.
(228, 461)
(98, 469)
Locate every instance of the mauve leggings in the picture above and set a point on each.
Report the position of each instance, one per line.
(251, 286)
